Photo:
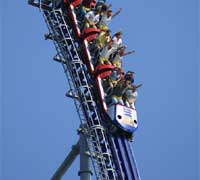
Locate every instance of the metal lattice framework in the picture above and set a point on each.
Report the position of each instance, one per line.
(79, 83)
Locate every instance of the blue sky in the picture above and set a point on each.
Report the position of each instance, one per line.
(38, 124)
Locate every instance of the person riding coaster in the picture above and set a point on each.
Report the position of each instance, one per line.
(102, 39)
(106, 52)
(87, 5)
(111, 81)
(91, 19)
(84, 8)
(122, 92)
(106, 17)
(117, 57)
(130, 98)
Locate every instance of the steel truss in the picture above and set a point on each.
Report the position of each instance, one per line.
(80, 85)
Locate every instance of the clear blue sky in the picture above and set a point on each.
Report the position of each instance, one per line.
(38, 124)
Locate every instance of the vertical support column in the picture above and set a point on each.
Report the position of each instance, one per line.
(85, 172)
(67, 162)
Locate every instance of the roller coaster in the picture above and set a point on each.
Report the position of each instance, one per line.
(104, 95)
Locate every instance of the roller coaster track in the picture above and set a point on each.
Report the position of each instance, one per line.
(112, 157)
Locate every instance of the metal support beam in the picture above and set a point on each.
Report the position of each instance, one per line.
(67, 162)
(39, 5)
(85, 172)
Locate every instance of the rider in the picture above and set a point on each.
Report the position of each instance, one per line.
(91, 19)
(118, 56)
(103, 38)
(106, 52)
(106, 18)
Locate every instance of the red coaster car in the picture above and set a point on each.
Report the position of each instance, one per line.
(90, 34)
(74, 3)
(103, 70)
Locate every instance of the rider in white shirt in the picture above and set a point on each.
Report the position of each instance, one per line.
(117, 40)
(106, 18)
(92, 18)
(106, 52)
